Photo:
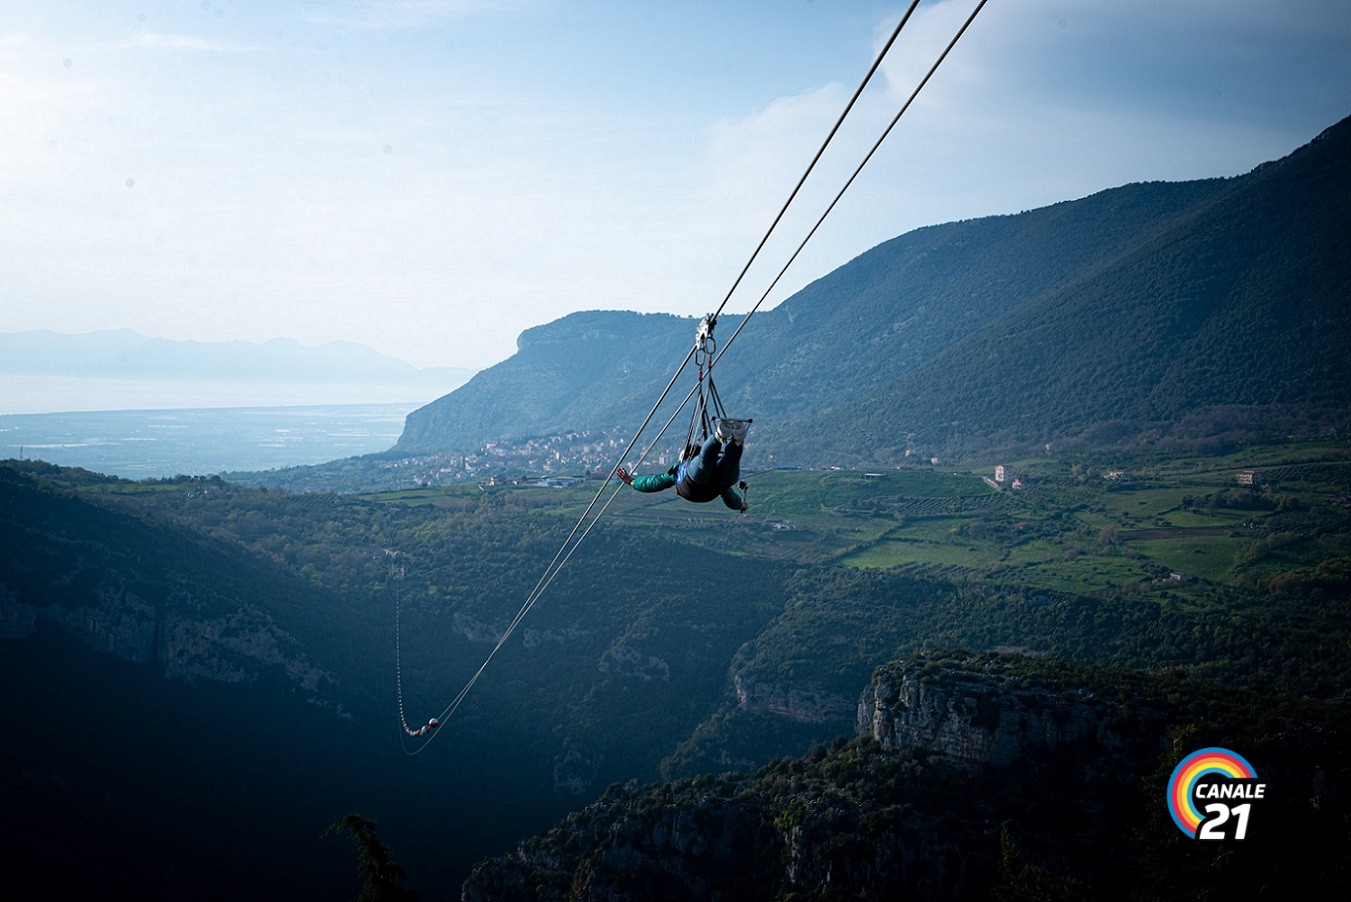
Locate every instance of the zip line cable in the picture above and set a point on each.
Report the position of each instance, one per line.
(819, 152)
(550, 571)
(569, 546)
(398, 655)
(646, 451)
(850, 181)
(835, 201)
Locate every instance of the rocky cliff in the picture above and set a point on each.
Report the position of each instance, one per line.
(965, 767)
(975, 716)
(808, 704)
(153, 596)
(975, 776)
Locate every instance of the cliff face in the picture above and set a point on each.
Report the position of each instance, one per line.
(803, 704)
(975, 717)
(146, 595)
(964, 766)
(234, 646)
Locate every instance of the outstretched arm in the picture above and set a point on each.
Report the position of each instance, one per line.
(733, 500)
(655, 483)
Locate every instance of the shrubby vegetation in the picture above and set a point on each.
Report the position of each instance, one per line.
(659, 653)
(852, 819)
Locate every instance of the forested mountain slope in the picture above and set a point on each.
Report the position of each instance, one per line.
(1232, 320)
(1136, 306)
(592, 370)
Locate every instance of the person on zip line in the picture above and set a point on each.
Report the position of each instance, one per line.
(705, 472)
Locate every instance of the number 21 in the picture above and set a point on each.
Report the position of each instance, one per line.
(1211, 829)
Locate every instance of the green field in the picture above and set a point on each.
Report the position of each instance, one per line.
(1176, 525)
(1172, 524)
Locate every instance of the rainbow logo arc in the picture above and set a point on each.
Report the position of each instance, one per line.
(1189, 771)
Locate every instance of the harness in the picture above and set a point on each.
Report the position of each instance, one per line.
(694, 491)
(707, 404)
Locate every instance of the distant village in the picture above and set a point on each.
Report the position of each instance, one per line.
(554, 460)
(562, 459)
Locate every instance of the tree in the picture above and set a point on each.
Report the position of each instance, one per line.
(384, 878)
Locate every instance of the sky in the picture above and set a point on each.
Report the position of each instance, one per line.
(432, 177)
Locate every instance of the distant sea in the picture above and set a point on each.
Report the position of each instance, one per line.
(137, 444)
(138, 428)
(24, 393)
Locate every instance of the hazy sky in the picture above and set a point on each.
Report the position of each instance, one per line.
(431, 177)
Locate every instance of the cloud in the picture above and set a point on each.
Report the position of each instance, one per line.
(379, 15)
(40, 100)
(149, 40)
(1207, 60)
(1047, 99)
(337, 184)
(753, 161)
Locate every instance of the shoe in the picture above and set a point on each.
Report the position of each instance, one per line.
(732, 430)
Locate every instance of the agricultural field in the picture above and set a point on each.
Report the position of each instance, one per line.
(1176, 524)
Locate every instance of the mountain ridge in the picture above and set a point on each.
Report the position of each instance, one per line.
(1224, 326)
(1142, 311)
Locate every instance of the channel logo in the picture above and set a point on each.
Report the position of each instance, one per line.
(1211, 794)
